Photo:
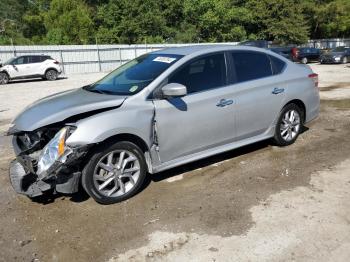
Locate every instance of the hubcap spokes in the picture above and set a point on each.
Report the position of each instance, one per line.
(290, 125)
(116, 173)
(51, 75)
(3, 79)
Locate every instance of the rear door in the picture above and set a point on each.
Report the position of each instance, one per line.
(34, 65)
(202, 119)
(259, 91)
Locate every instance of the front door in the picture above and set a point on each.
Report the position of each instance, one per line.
(202, 119)
(19, 67)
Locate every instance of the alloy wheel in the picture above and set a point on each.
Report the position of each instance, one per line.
(116, 173)
(3, 78)
(290, 125)
(51, 75)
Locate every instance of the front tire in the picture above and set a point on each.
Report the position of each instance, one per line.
(114, 173)
(289, 125)
(304, 60)
(4, 78)
(51, 74)
(344, 60)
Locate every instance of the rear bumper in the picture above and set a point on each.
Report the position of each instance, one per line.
(27, 183)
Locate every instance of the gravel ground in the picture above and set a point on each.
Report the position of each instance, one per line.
(258, 203)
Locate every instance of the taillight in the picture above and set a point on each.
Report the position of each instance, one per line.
(314, 77)
(56, 62)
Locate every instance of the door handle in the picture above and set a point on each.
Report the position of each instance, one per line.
(224, 102)
(276, 90)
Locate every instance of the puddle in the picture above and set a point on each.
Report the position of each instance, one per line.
(337, 86)
(339, 104)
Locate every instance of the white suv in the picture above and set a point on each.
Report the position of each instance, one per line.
(30, 66)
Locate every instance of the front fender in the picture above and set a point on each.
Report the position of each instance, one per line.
(128, 119)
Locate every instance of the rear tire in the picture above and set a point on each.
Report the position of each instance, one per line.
(4, 78)
(114, 173)
(51, 75)
(289, 125)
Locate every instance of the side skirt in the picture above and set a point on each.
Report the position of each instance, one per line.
(213, 151)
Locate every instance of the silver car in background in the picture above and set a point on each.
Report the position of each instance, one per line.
(156, 112)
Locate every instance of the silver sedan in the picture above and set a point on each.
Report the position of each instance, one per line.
(158, 111)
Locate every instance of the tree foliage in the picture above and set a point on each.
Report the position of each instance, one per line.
(154, 21)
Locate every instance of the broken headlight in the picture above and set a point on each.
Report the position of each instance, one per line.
(55, 150)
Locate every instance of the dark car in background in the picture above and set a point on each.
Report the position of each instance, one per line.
(308, 54)
(338, 55)
(288, 52)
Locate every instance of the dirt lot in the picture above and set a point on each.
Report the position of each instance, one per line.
(258, 203)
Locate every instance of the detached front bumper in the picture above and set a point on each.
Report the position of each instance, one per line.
(28, 183)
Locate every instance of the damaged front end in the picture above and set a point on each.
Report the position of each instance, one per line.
(44, 162)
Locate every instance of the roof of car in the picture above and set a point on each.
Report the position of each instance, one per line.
(186, 50)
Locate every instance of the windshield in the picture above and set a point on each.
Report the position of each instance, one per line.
(9, 62)
(135, 75)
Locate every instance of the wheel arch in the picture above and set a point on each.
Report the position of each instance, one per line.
(128, 137)
(50, 68)
(5, 71)
(300, 104)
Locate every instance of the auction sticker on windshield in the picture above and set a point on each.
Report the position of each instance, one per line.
(164, 59)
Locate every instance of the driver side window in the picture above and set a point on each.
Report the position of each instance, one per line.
(21, 60)
(202, 74)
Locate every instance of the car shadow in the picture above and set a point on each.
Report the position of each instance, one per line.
(82, 196)
(51, 196)
(209, 161)
(18, 81)
(214, 159)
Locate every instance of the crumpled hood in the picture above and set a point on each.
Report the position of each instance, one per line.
(60, 106)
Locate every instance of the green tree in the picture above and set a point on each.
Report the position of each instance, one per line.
(124, 21)
(334, 19)
(278, 20)
(69, 21)
(216, 21)
(11, 25)
(174, 21)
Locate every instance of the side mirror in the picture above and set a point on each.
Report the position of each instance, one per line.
(174, 90)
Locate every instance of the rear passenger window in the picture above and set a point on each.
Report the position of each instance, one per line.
(44, 58)
(251, 65)
(35, 59)
(202, 74)
(277, 65)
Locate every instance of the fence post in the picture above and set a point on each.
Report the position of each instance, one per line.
(63, 69)
(135, 51)
(120, 56)
(13, 47)
(98, 56)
